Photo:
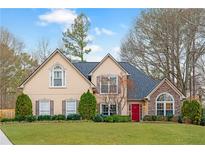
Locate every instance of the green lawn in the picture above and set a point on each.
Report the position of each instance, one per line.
(103, 133)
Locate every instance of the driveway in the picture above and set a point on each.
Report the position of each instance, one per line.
(3, 139)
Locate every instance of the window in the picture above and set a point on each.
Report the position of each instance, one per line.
(44, 107)
(108, 109)
(165, 104)
(109, 84)
(57, 77)
(70, 107)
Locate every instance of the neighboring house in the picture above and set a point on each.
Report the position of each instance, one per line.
(56, 85)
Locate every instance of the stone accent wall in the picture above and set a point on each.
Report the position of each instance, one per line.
(164, 88)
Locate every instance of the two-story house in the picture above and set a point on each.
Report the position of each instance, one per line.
(56, 85)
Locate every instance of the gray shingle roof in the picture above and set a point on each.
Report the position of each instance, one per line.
(143, 84)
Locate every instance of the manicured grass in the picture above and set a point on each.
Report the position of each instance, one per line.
(103, 133)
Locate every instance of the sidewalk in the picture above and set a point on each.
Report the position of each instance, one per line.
(3, 139)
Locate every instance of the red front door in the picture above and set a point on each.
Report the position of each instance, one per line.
(135, 112)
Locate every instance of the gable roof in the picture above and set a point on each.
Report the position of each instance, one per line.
(143, 84)
(113, 59)
(47, 59)
(170, 84)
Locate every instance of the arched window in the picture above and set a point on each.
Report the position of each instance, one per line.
(57, 78)
(165, 104)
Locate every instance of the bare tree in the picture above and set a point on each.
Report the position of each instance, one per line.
(167, 43)
(14, 67)
(118, 99)
(43, 50)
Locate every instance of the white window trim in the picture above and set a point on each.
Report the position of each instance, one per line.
(109, 84)
(69, 101)
(44, 101)
(51, 75)
(108, 108)
(164, 102)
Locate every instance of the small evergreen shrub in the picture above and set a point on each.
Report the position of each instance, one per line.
(98, 118)
(73, 117)
(202, 123)
(44, 117)
(7, 120)
(169, 117)
(87, 105)
(20, 118)
(180, 120)
(154, 117)
(30, 118)
(147, 118)
(58, 117)
(23, 105)
(108, 119)
(160, 118)
(192, 110)
(121, 118)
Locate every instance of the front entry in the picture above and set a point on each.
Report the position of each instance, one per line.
(136, 112)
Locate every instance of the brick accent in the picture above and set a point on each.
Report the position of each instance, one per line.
(164, 88)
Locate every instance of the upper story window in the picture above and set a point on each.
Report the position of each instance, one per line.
(57, 77)
(109, 84)
(165, 104)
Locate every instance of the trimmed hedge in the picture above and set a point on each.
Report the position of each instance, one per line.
(30, 118)
(121, 118)
(58, 117)
(7, 120)
(44, 117)
(98, 118)
(73, 117)
(113, 118)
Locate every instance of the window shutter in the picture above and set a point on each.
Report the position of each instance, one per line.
(119, 84)
(98, 84)
(64, 78)
(51, 107)
(50, 79)
(77, 105)
(98, 108)
(37, 108)
(64, 107)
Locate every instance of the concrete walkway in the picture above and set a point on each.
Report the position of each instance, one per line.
(3, 139)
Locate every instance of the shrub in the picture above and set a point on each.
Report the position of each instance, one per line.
(108, 119)
(98, 118)
(20, 118)
(30, 118)
(187, 120)
(147, 118)
(73, 117)
(121, 118)
(23, 105)
(202, 121)
(7, 120)
(175, 118)
(44, 117)
(154, 117)
(87, 105)
(160, 118)
(192, 110)
(180, 119)
(58, 117)
(169, 117)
